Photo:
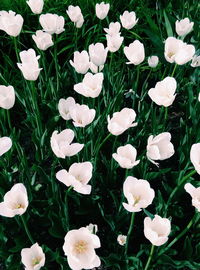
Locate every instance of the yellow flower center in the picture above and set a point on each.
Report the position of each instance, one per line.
(35, 261)
(18, 206)
(137, 199)
(80, 247)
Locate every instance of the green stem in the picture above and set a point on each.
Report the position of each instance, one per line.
(27, 230)
(57, 68)
(166, 113)
(16, 49)
(150, 257)
(106, 138)
(9, 121)
(178, 186)
(129, 232)
(174, 70)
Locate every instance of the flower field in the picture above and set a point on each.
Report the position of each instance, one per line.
(99, 135)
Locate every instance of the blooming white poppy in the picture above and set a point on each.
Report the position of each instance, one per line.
(164, 92)
(79, 247)
(195, 156)
(75, 15)
(114, 28)
(81, 62)
(52, 23)
(36, 6)
(5, 145)
(62, 146)
(121, 121)
(78, 176)
(138, 193)
(135, 52)
(42, 40)
(159, 147)
(126, 156)
(81, 115)
(195, 194)
(7, 97)
(157, 230)
(91, 85)
(184, 26)
(98, 54)
(64, 105)
(15, 201)
(195, 61)
(33, 258)
(114, 42)
(153, 61)
(102, 10)
(177, 51)
(29, 66)
(121, 239)
(11, 23)
(128, 19)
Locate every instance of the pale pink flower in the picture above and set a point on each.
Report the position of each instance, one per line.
(11, 23)
(43, 40)
(98, 54)
(75, 15)
(7, 97)
(64, 105)
(102, 10)
(184, 26)
(15, 201)
(113, 29)
(153, 61)
(36, 6)
(135, 52)
(195, 156)
(114, 42)
(195, 194)
(52, 23)
(157, 230)
(81, 115)
(5, 145)
(138, 193)
(81, 62)
(128, 19)
(121, 239)
(33, 258)
(78, 176)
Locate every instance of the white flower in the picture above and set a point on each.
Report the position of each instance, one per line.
(195, 61)
(93, 228)
(128, 19)
(164, 92)
(121, 121)
(62, 146)
(138, 193)
(81, 115)
(102, 10)
(157, 230)
(114, 42)
(98, 54)
(183, 27)
(36, 6)
(7, 97)
(11, 23)
(95, 69)
(160, 147)
(195, 156)
(195, 194)
(121, 239)
(177, 51)
(78, 177)
(126, 156)
(33, 258)
(113, 29)
(79, 247)
(42, 40)
(75, 15)
(52, 23)
(91, 85)
(15, 201)
(153, 61)
(135, 52)
(81, 62)
(64, 105)
(5, 145)
(29, 66)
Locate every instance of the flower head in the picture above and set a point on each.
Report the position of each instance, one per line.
(79, 247)
(138, 193)
(184, 26)
(36, 6)
(153, 61)
(15, 201)
(78, 176)
(64, 105)
(128, 19)
(121, 121)
(81, 62)
(195, 194)
(33, 258)
(121, 239)
(42, 40)
(81, 115)
(157, 230)
(11, 23)
(98, 54)
(195, 156)
(75, 15)
(5, 145)
(164, 92)
(135, 52)
(102, 10)
(7, 97)
(52, 23)
(62, 146)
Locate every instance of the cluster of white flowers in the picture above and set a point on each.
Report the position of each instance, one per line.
(79, 245)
